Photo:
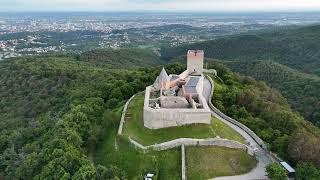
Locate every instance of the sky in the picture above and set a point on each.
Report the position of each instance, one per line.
(160, 5)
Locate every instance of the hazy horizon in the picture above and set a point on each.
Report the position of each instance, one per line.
(160, 6)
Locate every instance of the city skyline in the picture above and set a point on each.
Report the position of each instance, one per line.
(160, 5)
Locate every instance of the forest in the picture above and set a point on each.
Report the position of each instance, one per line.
(287, 60)
(300, 89)
(265, 111)
(55, 109)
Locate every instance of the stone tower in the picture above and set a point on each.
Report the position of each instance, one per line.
(195, 62)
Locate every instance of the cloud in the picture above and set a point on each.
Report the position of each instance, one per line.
(163, 5)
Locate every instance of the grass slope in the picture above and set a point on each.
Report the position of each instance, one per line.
(118, 151)
(135, 129)
(209, 162)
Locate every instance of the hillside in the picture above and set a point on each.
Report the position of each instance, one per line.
(301, 90)
(55, 110)
(267, 113)
(287, 60)
(121, 58)
(296, 48)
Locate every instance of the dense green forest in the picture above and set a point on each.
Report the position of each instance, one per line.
(302, 90)
(122, 58)
(54, 111)
(267, 113)
(297, 50)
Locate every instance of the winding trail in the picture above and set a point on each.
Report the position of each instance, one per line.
(264, 159)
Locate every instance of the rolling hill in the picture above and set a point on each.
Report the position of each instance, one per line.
(288, 60)
(55, 110)
(301, 90)
(121, 58)
(296, 48)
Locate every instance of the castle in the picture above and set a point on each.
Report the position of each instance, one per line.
(177, 100)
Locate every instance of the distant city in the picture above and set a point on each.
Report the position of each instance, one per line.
(37, 33)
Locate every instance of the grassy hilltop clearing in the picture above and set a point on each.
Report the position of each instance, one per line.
(117, 150)
(135, 129)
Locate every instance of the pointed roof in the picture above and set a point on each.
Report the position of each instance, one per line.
(162, 78)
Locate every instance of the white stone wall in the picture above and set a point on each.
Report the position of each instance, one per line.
(256, 138)
(183, 163)
(194, 142)
(162, 118)
(199, 142)
(124, 111)
(200, 85)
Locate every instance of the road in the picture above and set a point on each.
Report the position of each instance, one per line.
(259, 171)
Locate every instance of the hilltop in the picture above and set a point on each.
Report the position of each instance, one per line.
(59, 114)
(62, 107)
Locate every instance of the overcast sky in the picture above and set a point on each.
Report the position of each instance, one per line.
(160, 5)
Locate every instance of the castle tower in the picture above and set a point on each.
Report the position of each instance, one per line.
(195, 62)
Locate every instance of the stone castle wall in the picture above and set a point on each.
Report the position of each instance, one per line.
(255, 137)
(220, 142)
(162, 118)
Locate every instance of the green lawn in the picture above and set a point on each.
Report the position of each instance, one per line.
(135, 129)
(118, 151)
(210, 162)
(165, 164)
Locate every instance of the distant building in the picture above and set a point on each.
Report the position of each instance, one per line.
(176, 100)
